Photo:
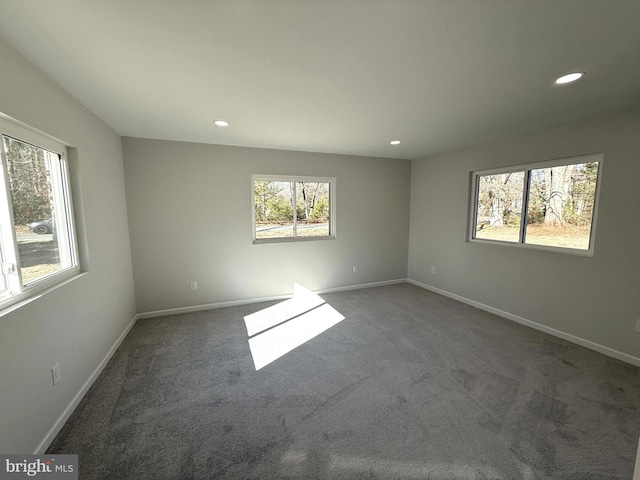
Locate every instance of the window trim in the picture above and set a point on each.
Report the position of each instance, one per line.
(294, 178)
(474, 179)
(16, 293)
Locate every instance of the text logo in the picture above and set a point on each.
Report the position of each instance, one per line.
(50, 467)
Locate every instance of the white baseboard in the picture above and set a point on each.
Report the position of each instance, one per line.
(209, 306)
(57, 426)
(535, 325)
(361, 285)
(247, 301)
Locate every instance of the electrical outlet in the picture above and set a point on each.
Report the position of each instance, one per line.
(638, 326)
(433, 270)
(194, 286)
(355, 269)
(55, 373)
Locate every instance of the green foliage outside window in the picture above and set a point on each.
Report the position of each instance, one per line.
(274, 202)
(29, 182)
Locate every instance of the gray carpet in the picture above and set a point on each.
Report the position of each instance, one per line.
(410, 385)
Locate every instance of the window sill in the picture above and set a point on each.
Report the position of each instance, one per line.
(258, 241)
(16, 302)
(530, 246)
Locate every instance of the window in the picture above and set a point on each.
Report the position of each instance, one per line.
(548, 205)
(289, 208)
(37, 240)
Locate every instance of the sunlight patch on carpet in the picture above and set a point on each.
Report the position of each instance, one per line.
(279, 329)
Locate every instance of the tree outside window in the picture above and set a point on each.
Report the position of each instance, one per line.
(292, 207)
(547, 204)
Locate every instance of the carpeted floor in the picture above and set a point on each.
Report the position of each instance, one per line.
(409, 385)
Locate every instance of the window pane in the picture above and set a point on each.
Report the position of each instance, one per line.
(312, 209)
(273, 209)
(41, 249)
(499, 202)
(561, 202)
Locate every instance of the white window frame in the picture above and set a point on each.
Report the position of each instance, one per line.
(295, 179)
(10, 274)
(526, 168)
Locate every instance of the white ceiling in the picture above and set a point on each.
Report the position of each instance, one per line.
(339, 76)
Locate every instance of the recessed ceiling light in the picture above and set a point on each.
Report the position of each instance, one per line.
(570, 77)
(221, 123)
(395, 142)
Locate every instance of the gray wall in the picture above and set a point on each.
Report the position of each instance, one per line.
(190, 219)
(78, 323)
(594, 298)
